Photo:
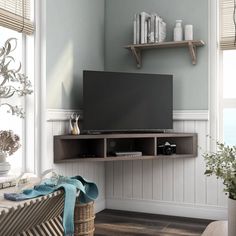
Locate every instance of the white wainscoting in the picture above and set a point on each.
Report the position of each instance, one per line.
(57, 123)
(168, 186)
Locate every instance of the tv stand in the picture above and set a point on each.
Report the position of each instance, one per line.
(101, 147)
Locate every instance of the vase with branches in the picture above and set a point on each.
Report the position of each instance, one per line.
(12, 81)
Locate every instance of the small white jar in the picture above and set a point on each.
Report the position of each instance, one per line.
(178, 31)
(188, 32)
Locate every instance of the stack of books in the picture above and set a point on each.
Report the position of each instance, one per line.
(148, 28)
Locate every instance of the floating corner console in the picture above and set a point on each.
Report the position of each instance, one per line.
(119, 147)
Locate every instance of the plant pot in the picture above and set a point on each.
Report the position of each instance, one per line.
(4, 165)
(231, 217)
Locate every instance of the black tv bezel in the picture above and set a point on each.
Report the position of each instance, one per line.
(148, 130)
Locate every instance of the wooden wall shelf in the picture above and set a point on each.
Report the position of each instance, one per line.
(101, 147)
(192, 45)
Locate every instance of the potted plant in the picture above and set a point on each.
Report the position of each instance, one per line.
(222, 163)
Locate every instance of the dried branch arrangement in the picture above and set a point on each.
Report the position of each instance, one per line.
(12, 81)
(9, 142)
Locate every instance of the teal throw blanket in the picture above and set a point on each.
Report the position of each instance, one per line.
(70, 185)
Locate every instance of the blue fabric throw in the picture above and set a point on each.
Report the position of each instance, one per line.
(70, 185)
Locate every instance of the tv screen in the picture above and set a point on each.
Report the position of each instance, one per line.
(115, 101)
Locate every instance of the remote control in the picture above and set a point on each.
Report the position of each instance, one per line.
(130, 154)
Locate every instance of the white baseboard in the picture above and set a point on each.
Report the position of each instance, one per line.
(100, 205)
(168, 208)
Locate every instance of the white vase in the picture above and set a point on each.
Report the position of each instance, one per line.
(4, 165)
(178, 31)
(188, 32)
(231, 217)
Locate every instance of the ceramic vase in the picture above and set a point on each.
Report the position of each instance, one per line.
(231, 217)
(4, 165)
(74, 124)
(178, 31)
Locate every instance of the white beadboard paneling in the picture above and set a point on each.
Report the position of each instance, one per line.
(128, 179)
(47, 161)
(168, 186)
(157, 184)
(200, 178)
(147, 179)
(101, 180)
(109, 179)
(178, 180)
(167, 179)
(222, 198)
(212, 191)
(118, 179)
(93, 171)
(189, 170)
(137, 179)
(178, 170)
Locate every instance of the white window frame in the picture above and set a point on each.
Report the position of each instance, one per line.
(35, 104)
(214, 72)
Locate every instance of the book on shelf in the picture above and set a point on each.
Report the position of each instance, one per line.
(156, 28)
(151, 35)
(145, 32)
(138, 29)
(144, 17)
(162, 31)
(148, 28)
(135, 29)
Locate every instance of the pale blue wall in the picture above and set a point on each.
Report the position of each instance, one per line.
(190, 82)
(74, 42)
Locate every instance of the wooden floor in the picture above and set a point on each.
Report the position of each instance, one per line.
(110, 222)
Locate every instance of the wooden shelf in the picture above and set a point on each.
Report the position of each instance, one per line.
(101, 147)
(192, 45)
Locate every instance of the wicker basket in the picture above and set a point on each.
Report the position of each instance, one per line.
(84, 219)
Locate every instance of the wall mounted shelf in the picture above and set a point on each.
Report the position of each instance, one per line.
(101, 147)
(192, 45)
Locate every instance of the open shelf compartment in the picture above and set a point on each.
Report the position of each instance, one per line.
(144, 145)
(68, 149)
(185, 146)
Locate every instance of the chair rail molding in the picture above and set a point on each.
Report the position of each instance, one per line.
(64, 114)
(61, 114)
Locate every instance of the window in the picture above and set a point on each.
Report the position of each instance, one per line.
(228, 107)
(227, 96)
(16, 15)
(8, 121)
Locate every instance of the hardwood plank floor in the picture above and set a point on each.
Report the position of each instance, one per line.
(115, 223)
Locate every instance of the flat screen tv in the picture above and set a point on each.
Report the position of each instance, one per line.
(127, 102)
